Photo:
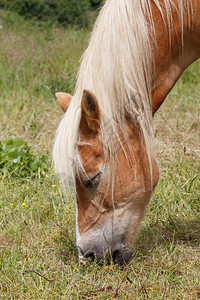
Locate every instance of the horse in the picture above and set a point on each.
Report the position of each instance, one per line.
(137, 51)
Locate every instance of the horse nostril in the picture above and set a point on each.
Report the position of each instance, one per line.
(121, 254)
(115, 255)
(95, 255)
(90, 256)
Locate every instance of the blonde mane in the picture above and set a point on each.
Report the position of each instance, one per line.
(117, 67)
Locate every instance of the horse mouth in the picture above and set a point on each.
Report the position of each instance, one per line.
(82, 259)
(120, 255)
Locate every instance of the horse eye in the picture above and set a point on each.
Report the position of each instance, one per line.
(92, 182)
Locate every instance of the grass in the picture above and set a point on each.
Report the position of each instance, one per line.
(38, 256)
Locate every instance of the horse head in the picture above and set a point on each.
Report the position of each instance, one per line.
(111, 195)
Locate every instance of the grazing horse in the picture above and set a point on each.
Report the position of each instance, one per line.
(137, 51)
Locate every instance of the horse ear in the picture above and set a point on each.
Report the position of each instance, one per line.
(64, 100)
(90, 113)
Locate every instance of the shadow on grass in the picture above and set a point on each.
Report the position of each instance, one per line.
(176, 231)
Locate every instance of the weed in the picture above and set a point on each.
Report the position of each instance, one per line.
(17, 159)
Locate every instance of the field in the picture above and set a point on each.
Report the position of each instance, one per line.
(38, 256)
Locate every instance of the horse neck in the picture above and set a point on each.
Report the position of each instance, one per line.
(173, 54)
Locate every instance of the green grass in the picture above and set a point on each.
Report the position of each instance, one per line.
(38, 256)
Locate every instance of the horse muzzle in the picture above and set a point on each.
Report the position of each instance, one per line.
(117, 253)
